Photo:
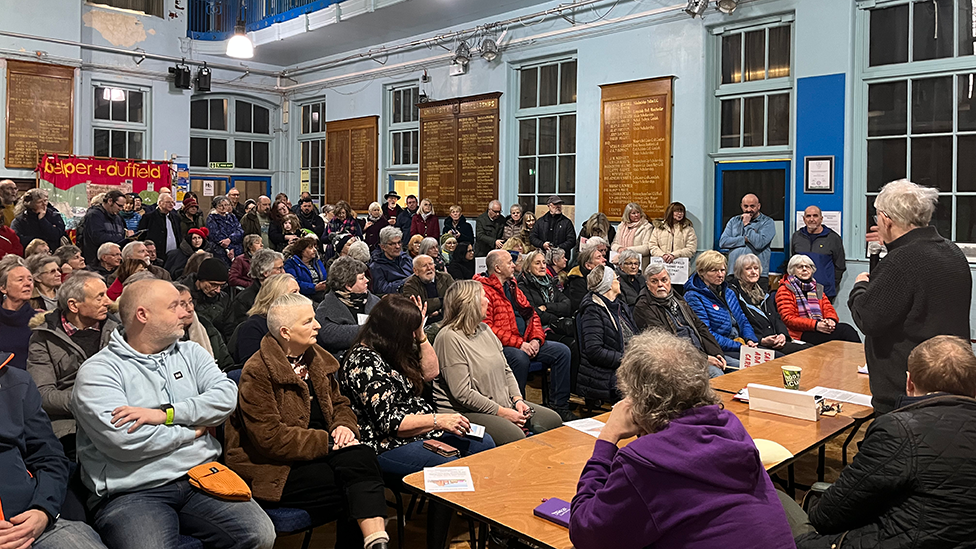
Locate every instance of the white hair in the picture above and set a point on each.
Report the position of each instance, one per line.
(799, 260)
(129, 250)
(280, 313)
(907, 204)
(106, 249)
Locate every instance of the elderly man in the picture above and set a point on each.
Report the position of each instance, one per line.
(659, 307)
(429, 284)
(389, 264)
(154, 259)
(910, 484)
(109, 257)
(103, 224)
(751, 232)
(516, 324)
(237, 208)
(824, 247)
(922, 288)
(308, 216)
(144, 405)
(64, 338)
(258, 220)
(391, 209)
(488, 230)
(162, 226)
(575, 286)
(209, 298)
(8, 198)
(140, 250)
(264, 263)
(554, 229)
(405, 218)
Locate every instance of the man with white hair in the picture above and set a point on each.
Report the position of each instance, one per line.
(135, 250)
(144, 405)
(109, 257)
(162, 226)
(8, 198)
(429, 284)
(922, 288)
(390, 265)
(488, 230)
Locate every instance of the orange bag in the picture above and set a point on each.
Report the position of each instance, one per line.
(220, 482)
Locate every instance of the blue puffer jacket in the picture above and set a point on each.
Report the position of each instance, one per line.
(226, 226)
(303, 275)
(389, 274)
(718, 314)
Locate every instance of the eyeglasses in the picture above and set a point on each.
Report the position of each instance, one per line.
(880, 212)
(396, 243)
(496, 211)
(631, 263)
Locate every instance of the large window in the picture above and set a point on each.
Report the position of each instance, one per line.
(119, 123)
(404, 130)
(546, 118)
(754, 90)
(230, 130)
(312, 142)
(920, 112)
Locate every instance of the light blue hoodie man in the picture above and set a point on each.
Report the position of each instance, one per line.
(754, 237)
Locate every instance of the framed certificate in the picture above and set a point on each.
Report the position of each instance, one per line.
(818, 174)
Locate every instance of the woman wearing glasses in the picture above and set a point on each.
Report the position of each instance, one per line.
(631, 279)
(805, 309)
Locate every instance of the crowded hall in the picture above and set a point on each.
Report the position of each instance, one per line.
(508, 274)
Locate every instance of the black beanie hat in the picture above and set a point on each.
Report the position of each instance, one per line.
(212, 270)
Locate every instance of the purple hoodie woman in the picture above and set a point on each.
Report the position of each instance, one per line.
(693, 479)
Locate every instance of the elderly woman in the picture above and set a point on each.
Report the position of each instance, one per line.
(760, 307)
(692, 458)
(556, 263)
(634, 233)
(631, 279)
(237, 276)
(475, 378)
(457, 226)
(36, 247)
(805, 309)
(201, 331)
(675, 236)
(708, 294)
(304, 264)
(17, 286)
(69, 259)
(424, 222)
(293, 437)
(343, 221)
(36, 218)
(605, 326)
(225, 229)
(246, 338)
(127, 268)
(462, 265)
(514, 223)
(384, 376)
(339, 311)
(429, 246)
(47, 279)
(374, 222)
(264, 263)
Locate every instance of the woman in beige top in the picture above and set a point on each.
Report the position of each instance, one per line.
(675, 236)
(634, 233)
(475, 378)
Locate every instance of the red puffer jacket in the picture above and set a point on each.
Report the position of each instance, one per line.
(501, 314)
(790, 313)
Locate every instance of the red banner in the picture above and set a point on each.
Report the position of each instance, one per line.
(64, 172)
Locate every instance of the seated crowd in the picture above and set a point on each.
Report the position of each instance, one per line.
(355, 340)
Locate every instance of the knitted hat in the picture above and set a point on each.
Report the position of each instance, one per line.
(340, 242)
(212, 270)
(189, 201)
(202, 231)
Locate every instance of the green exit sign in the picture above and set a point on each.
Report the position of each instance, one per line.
(221, 165)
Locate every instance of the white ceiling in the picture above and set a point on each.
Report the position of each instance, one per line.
(391, 23)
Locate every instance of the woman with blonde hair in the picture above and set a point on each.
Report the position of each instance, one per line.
(597, 225)
(634, 233)
(36, 247)
(374, 222)
(424, 222)
(709, 296)
(675, 236)
(528, 222)
(246, 339)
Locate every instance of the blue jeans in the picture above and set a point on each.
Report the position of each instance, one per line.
(413, 457)
(68, 534)
(154, 519)
(552, 355)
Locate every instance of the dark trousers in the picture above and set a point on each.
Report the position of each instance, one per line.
(552, 355)
(843, 332)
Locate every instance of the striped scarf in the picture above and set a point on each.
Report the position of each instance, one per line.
(807, 303)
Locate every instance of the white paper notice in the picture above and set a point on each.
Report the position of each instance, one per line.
(841, 396)
(208, 187)
(479, 265)
(362, 318)
(589, 426)
(677, 269)
(752, 356)
(447, 479)
(477, 431)
(830, 219)
(613, 256)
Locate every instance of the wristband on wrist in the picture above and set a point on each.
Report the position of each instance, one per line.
(168, 408)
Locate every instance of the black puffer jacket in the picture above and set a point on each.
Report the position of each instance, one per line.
(630, 288)
(910, 485)
(601, 344)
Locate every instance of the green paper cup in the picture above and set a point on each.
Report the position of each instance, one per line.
(791, 377)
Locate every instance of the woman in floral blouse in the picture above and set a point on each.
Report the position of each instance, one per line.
(384, 376)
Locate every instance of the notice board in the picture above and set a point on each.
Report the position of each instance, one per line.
(351, 161)
(40, 112)
(459, 153)
(635, 146)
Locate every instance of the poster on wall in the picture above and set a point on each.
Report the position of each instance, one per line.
(830, 219)
(819, 174)
(181, 184)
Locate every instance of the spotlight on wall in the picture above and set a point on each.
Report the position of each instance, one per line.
(489, 50)
(181, 76)
(727, 6)
(696, 7)
(462, 54)
(203, 78)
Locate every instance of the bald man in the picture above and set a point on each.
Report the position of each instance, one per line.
(751, 232)
(824, 246)
(258, 220)
(162, 226)
(429, 284)
(143, 405)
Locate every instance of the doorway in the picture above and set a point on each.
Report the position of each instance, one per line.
(767, 179)
(251, 187)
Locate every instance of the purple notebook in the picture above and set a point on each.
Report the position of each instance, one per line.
(554, 510)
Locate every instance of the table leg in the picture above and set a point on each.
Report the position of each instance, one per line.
(483, 535)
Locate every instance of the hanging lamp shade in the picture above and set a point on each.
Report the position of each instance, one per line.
(239, 46)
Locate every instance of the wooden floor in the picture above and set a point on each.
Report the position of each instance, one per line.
(416, 536)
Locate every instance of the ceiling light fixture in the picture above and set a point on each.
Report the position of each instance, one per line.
(489, 50)
(239, 46)
(727, 6)
(462, 54)
(696, 7)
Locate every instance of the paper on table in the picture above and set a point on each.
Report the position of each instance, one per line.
(589, 426)
(862, 369)
(447, 479)
(841, 396)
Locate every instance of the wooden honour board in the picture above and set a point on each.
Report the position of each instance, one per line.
(635, 146)
(351, 161)
(40, 112)
(459, 153)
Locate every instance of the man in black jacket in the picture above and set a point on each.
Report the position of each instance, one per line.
(209, 298)
(234, 196)
(911, 482)
(162, 226)
(554, 228)
(309, 217)
(103, 224)
(488, 231)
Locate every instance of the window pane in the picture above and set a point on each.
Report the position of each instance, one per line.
(407, 104)
(779, 52)
(752, 121)
(932, 162)
(397, 106)
(567, 133)
(313, 158)
(567, 174)
(218, 150)
(261, 158)
(218, 114)
(528, 201)
(414, 108)
(102, 105)
(198, 114)
(415, 147)
(548, 85)
(967, 102)
(405, 150)
(243, 117)
(120, 110)
(118, 144)
(100, 143)
(242, 154)
(527, 175)
(262, 120)
(306, 118)
(966, 170)
(305, 154)
(567, 85)
(547, 174)
(888, 36)
(135, 107)
(932, 105)
(397, 148)
(316, 127)
(779, 120)
(528, 88)
(965, 219)
(321, 143)
(527, 137)
(756, 55)
(314, 184)
(547, 135)
(932, 36)
(888, 108)
(135, 145)
(967, 27)
(730, 123)
(886, 162)
(198, 152)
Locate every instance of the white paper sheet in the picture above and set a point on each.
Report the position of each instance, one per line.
(477, 431)
(447, 479)
(362, 318)
(479, 265)
(677, 269)
(754, 356)
(589, 426)
(841, 396)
